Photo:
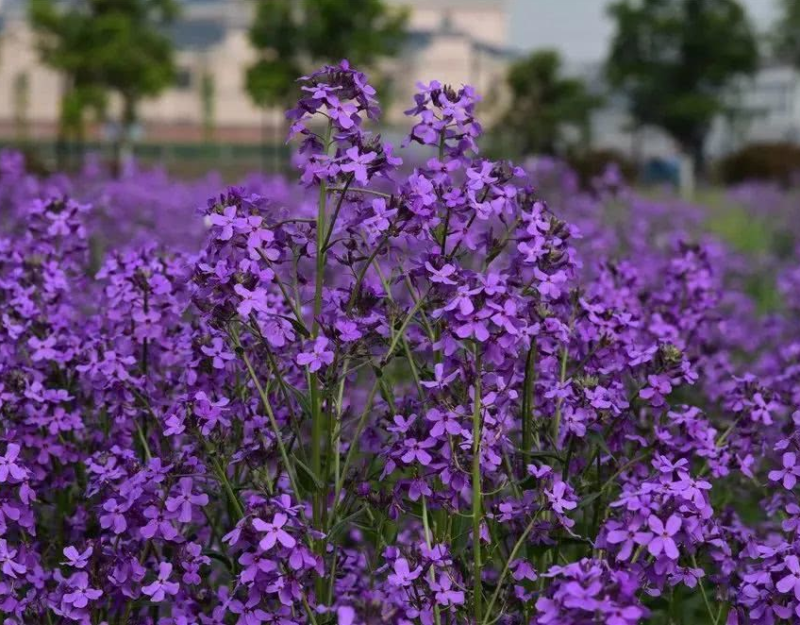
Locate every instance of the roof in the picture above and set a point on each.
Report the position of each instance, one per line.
(422, 38)
(451, 4)
(197, 34)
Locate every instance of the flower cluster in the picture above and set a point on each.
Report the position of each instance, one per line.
(451, 390)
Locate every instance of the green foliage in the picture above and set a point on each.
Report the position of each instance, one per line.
(359, 31)
(104, 46)
(589, 164)
(21, 103)
(291, 35)
(787, 32)
(208, 92)
(276, 34)
(543, 103)
(674, 60)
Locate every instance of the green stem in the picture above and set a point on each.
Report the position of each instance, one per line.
(270, 413)
(527, 401)
(562, 379)
(431, 575)
(342, 193)
(476, 492)
(703, 592)
(318, 429)
(362, 190)
(353, 450)
(289, 301)
(511, 557)
(223, 478)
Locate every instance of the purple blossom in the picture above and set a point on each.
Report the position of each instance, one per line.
(467, 321)
(77, 559)
(161, 587)
(9, 466)
(185, 499)
(403, 575)
(357, 163)
(81, 592)
(224, 221)
(251, 301)
(274, 532)
(661, 538)
(559, 498)
(788, 474)
(318, 357)
(415, 450)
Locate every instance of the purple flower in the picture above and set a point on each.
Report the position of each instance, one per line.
(357, 163)
(661, 538)
(403, 576)
(77, 559)
(161, 587)
(274, 532)
(440, 380)
(157, 524)
(8, 564)
(417, 451)
(217, 351)
(115, 517)
(444, 423)
(318, 357)
(522, 570)
(249, 612)
(441, 276)
(791, 582)
(251, 300)
(445, 595)
(558, 498)
(348, 330)
(185, 500)
(788, 474)
(224, 221)
(462, 300)
(8, 465)
(345, 615)
(81, 593)
(626, 537)
(43, 350)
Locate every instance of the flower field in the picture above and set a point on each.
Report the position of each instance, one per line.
(413, 387)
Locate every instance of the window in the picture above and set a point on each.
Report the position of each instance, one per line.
(183, 78)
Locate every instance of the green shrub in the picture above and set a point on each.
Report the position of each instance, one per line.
(775, 162)
(592, 163)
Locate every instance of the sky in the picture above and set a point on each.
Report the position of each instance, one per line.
(580, 29)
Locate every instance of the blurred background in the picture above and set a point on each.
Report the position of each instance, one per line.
(674, 91)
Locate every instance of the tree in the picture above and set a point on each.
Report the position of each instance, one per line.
(543, 104)
(674, 60)
(276, 35)
(208, 93)
(292, 35)
(787, 33)
(21, 103)
(107, 46)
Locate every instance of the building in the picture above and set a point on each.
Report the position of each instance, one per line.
(612, 127)
(761, 108)
(454, 41)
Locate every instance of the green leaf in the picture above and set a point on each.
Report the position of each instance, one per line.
(306, 476)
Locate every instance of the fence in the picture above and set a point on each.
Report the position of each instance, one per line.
(181, 159)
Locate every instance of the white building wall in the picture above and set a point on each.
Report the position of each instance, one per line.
(18, 56)
(483, 20)
(452, 27)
